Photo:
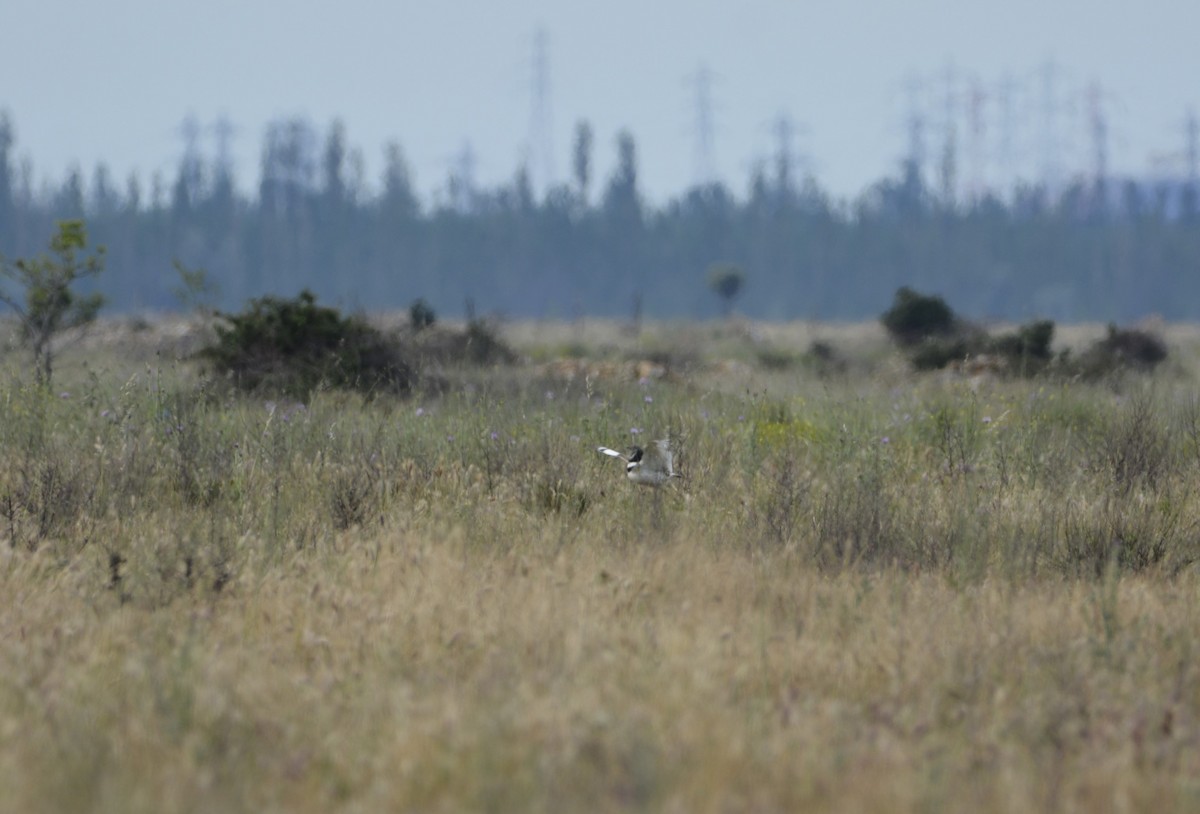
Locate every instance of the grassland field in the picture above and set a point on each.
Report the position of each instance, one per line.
(872, 590)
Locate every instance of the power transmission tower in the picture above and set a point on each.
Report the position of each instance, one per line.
(1191, 155)
(461, 184)
(189, 131)
(190, 164)
(541, 129)
(1098, 131)
(915, 123)
(1051, 105)
(1006, 106)
(787, 158)
(976, 147)
(704, 171)
(1191, 146)
(948, 167)
(224, 131)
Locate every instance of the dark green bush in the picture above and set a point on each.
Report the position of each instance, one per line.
(483, 346)
(915, 317)
(293, 346)
(934, 337)
(1122, 349)
(935, 353)
(774, 358)
(421, 315)
(1030, 342)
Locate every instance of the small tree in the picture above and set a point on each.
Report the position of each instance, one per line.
(726, 281)
(50, 305)
(196, 291)
(421, 314)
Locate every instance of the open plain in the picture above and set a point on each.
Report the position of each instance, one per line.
(871, 590)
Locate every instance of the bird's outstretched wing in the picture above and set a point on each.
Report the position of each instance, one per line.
(612, 453)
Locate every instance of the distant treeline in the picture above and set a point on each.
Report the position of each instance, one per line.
(597, 248)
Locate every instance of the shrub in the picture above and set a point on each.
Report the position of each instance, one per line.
(421, 315)
(773, 358)
(1121, 349)
(43, 498)
(1026, 351)
(1135, 449)
(479, 344)
(482, 345)
(914, 317)
(293, 346)
(935, 353)
(1129, 535)
(824, 359)
(1030, 342)
(787, 499)
(933, 337)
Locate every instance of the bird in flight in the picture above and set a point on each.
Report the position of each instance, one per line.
(652, 466)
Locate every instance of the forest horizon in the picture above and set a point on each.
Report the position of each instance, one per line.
(1096, 249)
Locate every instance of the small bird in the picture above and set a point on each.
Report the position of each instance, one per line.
(653, 466)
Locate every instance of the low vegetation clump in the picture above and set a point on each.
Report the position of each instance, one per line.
(445, 599)
(421, 315)
(439, 350)
(294, 346)
(934, 337)
(1030, 342)
(915, 318)
(1123, 348)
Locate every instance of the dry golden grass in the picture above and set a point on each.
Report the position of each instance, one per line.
(665, 675)
(871, 593)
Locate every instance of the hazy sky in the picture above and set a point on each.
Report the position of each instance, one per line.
(113, 81)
